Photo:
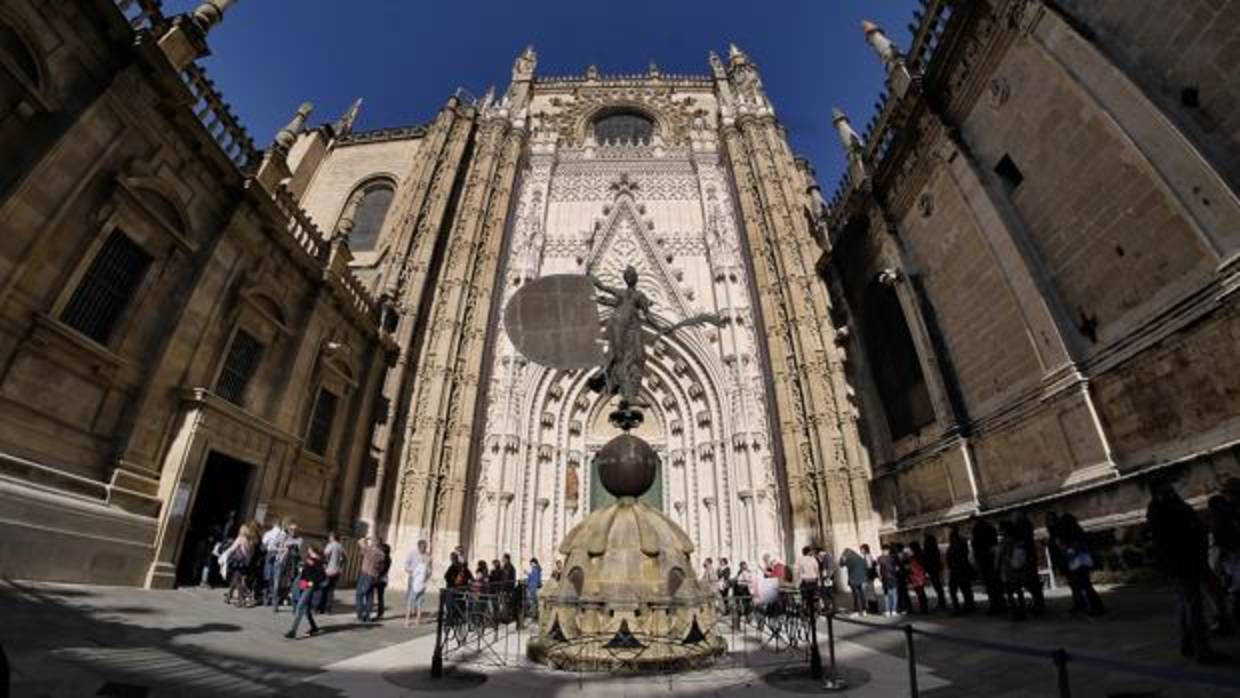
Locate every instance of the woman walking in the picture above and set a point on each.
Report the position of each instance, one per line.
(235, 565)
(309, 583)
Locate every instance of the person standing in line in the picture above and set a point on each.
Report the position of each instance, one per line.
(512, 592)
(889, 571)
(807, 577)
(871, 576)
(1012, 562)
(856, 568)
(288, 557)
(271, 542)
(932, 561)
(985, 540)
(334, 559)
(1225, 531)
(382, 582)
(903, 600)
(418, 569)
(372, 567)
(1181, 549)
(723, 582)
(533, 582)
(234, 564)
(917, 576)
(310, 582)
(707, 580)
(826, 579)
(1080, 565)
(1032, 580)
(959, 572)
(1057, 551)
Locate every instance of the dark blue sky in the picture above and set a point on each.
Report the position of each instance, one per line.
(405, 57)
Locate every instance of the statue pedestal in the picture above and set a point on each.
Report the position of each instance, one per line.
(628, 600)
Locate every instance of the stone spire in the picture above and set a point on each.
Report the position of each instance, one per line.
(854, 147)
(186, 39)
(897, 70)
(523, 67)
(652, 71)
(287, 136)
(344, 125)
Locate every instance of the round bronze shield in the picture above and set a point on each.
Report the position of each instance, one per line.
(554, 321)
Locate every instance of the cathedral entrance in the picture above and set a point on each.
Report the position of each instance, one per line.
(219, 508)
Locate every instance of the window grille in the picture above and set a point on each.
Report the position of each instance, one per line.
(624, 128)
(239, 367)
(107, 288)
(321, 422)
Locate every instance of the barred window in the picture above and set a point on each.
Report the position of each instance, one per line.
(321, 422)
(623, 128)
(239, 367)
(107, 288)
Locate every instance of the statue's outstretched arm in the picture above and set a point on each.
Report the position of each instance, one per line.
(702, 319)
(604, 287)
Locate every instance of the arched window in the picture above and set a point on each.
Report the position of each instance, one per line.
(367, 208)
(623, 128)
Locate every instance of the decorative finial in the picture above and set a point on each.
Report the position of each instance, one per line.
(210, 13)
(876, 38)
(592, 72)
(734, 51)
(344, 125)
(653, 70)
(287, 136)
(848, 137)
(523, 67)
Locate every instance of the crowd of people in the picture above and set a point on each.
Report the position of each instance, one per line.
(1200, 556)
(279, 568)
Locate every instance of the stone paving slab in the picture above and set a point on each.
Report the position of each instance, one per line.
(69, 641)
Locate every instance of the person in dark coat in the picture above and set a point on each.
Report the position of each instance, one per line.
(1181, 549)
(1032, 580)
(985, 540)
(932, 561)
(959, 572)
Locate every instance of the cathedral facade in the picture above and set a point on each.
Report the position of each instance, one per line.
(1020, 298)
(591, 174)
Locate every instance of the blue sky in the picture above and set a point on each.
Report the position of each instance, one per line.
(405, 57)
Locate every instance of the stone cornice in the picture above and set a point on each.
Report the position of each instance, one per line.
(384, 135)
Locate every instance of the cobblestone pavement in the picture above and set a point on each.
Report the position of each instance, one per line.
(72, 641)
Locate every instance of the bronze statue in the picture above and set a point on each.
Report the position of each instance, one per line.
(625, 360)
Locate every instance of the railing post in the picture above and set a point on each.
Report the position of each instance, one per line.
(437, 657)
(1060, 657)
(831, 641)
(912, 661)
(815, 657)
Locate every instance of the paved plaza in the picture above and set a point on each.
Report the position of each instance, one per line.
(71, 641)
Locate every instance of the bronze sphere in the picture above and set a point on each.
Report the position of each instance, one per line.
(627, 466)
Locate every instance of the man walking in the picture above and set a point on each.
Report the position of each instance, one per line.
(856, 567)
(271, 542)
(418, 567)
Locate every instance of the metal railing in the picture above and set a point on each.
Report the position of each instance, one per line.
(1060, 658)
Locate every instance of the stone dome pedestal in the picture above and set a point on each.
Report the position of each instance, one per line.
(629, 600)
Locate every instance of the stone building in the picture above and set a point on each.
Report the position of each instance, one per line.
(1035, 246)
(180, 346)
(1018, 299)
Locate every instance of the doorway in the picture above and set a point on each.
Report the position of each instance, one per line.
(219, 508)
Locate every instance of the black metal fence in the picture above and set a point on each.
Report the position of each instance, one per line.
(1058, 659)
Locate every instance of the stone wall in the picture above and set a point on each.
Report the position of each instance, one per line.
(1183, 54)
(103, 437)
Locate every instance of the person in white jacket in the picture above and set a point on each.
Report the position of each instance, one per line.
(418, 567)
